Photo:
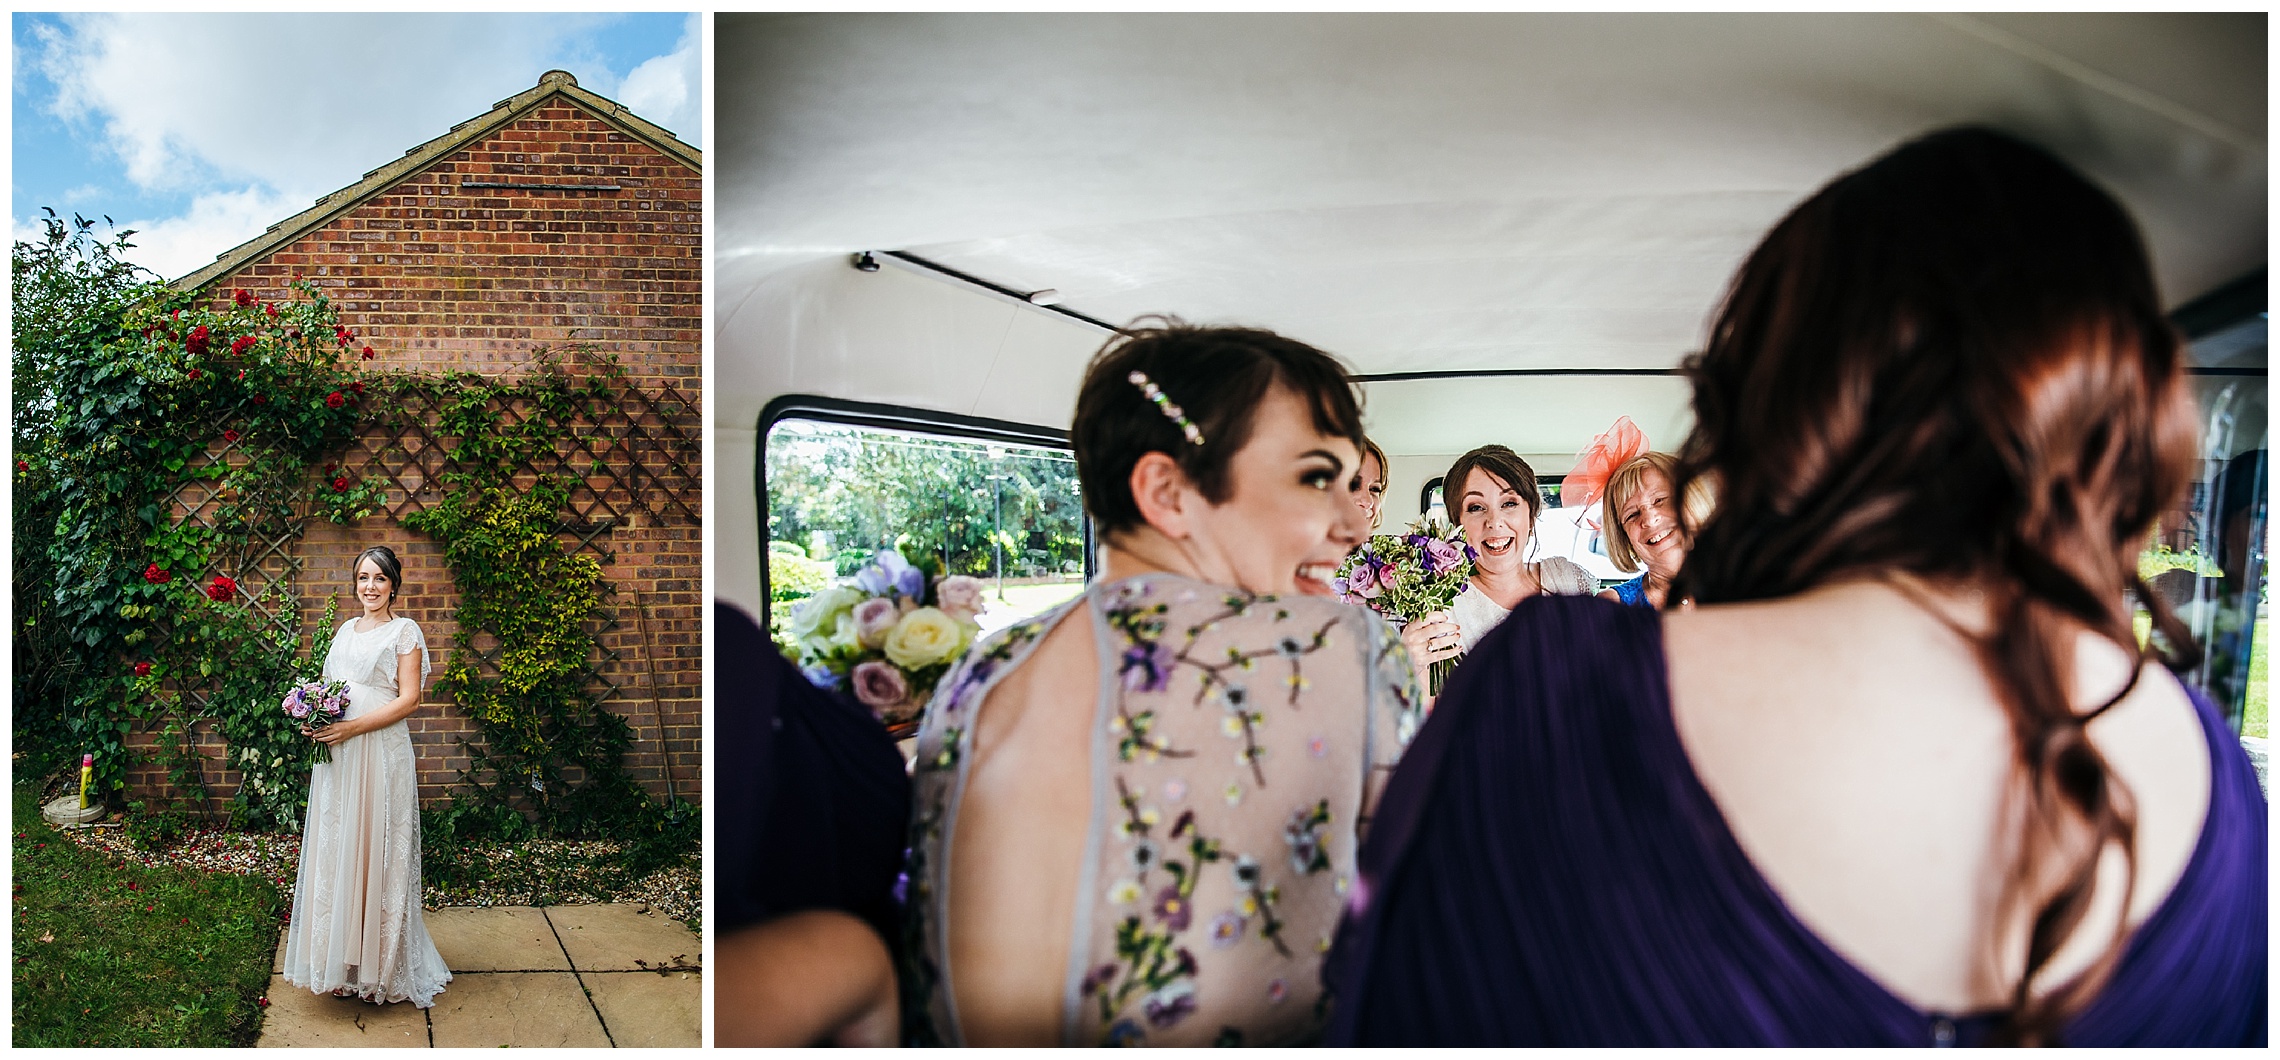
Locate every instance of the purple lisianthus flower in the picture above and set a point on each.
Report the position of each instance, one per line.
(1147, 667)
(889, 572)
(1125, 1032)
(1440, 555)
(820, 675)
(1366, 581)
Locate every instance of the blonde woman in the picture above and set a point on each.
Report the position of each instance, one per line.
(1644, 528)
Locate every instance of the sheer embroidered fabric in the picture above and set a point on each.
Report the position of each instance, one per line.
(1239, 742)
(356, 923)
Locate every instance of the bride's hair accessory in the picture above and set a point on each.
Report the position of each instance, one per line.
(1583, 484)
(1164, 405)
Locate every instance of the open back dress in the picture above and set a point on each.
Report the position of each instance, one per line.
(1238, 741)
(1548, 869)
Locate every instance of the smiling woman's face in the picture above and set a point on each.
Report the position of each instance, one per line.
(1496, 520)
(372, 587)
(1369, 487)
(1291, 516)
(1651, 524)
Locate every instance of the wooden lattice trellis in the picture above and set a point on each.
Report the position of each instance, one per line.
(631, 457)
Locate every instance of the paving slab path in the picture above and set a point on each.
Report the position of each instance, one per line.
(560, 976)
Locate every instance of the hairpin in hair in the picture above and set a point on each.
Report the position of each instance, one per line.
(1164, 405)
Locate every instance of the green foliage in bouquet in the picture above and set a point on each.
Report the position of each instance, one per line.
(1409, 575)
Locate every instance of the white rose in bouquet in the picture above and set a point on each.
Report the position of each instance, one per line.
(925, 637)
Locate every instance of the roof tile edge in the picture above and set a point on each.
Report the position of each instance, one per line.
(333, 204)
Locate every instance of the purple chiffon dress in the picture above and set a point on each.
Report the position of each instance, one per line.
(1547, 869)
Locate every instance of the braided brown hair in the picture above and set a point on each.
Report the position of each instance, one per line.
(1952, 363)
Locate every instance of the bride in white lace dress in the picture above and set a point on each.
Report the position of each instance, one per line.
(356, 928)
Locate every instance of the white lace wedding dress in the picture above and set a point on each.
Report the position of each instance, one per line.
(356, 924)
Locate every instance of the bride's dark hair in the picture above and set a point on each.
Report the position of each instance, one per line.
(1952, 362)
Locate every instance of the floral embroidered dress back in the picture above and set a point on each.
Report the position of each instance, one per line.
(1239, 742)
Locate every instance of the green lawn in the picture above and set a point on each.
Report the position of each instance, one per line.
(1026, 600)
(2254, 715)
(110, 953)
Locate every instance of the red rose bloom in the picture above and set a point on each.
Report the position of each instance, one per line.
(223, 589)
(241, 344)
(368, 353)
(22, 466)
(244, 298)
(156, 575)
(230, 435)
(142, 669)
(194, 374)
(261, 399)
(271, 309)
(357, 386)
(340, 485)
(196, 342)
(334, 400)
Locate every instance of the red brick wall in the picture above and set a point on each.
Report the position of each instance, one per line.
(440, 278)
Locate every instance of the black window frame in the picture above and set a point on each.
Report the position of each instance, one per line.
(888, 417)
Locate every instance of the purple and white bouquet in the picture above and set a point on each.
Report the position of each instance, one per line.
(1405, 576)
(316, 704)
(1409, 575)
(887, 635)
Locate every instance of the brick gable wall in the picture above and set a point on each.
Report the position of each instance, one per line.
(440, 277)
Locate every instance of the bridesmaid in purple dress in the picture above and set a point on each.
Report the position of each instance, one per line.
(1904, 776)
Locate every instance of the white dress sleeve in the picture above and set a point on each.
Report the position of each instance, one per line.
(408, 640)
(1567, 577)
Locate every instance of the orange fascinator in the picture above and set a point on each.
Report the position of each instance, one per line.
(1623, 443)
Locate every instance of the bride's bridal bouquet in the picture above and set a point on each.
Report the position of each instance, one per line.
(1408, 575)
(887, 635)
(315, 704)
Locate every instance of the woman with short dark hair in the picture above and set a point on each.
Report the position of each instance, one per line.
(1136, 815)
(1904, 775)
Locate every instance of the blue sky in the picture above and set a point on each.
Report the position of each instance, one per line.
(200, 131)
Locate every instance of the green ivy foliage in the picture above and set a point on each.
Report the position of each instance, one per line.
(551, 757)
(125, 391)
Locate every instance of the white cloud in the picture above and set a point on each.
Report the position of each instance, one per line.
(216, 222)
(669, 89)
(253, 116)
(300, 103)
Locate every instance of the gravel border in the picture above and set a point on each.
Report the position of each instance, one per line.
(675, 891)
